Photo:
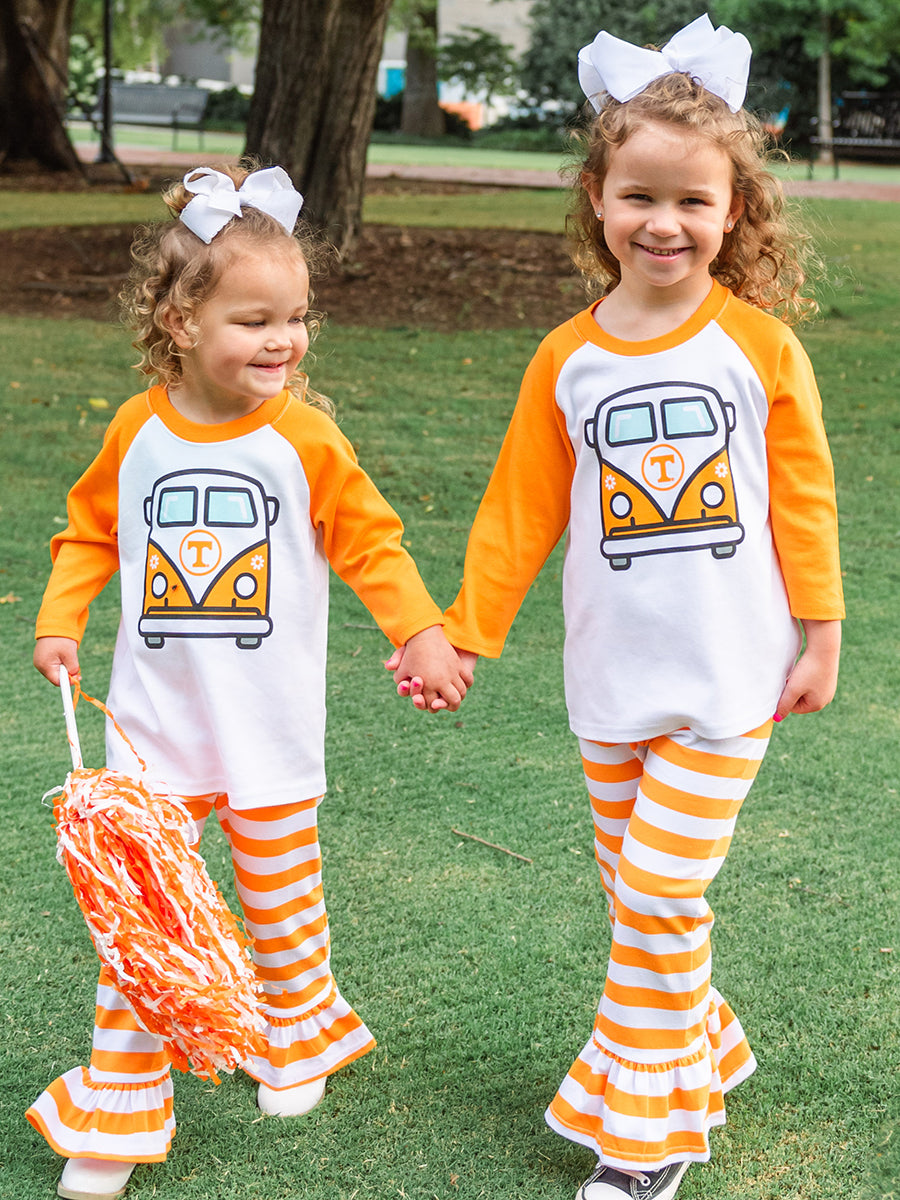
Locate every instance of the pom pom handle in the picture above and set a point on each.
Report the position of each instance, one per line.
(69, 710)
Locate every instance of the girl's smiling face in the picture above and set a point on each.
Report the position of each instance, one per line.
(667, 201)
(246, 339)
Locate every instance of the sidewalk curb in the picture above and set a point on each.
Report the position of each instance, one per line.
(821, 189)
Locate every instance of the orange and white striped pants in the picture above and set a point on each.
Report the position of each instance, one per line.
(120, 1107)
(665, 1048)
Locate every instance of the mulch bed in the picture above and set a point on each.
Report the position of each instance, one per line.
(441, 279)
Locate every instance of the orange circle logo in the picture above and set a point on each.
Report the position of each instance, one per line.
(200, 552)
(662, 467)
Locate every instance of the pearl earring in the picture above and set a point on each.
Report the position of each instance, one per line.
(729, 225)
(599, 214)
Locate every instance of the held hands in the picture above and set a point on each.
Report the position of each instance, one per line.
(51, 652)
(431, 672)
(812, 683)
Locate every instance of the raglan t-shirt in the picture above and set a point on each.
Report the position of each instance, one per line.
(222, 536)
(692, 479)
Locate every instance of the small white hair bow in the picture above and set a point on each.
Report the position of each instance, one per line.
(216, 200)
(718, 59)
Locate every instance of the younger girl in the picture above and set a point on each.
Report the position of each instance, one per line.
(674, 430)
(221, 495)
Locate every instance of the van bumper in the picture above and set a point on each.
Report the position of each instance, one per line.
(659, 541)
(231, 624)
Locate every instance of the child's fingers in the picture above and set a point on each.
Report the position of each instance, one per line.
(394, 661)
(450, 698)
(410, 687)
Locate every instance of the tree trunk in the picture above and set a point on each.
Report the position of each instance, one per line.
(34, 55)
(421, 114)
(825, 127)
(314, 103)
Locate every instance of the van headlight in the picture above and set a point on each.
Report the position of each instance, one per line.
(245, 586)
(620, 505)
(159, 585)
(712, 495)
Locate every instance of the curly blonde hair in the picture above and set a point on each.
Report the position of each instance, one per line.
(172, 268)
(763, 260)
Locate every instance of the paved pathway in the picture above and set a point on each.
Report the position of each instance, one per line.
(826, 189)
(830, 189)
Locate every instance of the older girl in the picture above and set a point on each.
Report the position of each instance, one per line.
(673, 432)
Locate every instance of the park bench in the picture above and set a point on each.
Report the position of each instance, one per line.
(864, 125)
(176, 106)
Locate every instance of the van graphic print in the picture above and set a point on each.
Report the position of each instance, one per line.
(207, 570)
(665, 474)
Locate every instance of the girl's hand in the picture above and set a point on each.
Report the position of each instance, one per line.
(430, 671)
(813, 681)
(50, 652)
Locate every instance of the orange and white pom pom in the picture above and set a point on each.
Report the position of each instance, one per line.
(158, 921)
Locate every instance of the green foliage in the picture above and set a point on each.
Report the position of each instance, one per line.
(788, 37)
(227, 109)
(237, 21)
(85, 71)
(139, 29)
(479, 61)
(549, 68)
(407, 14)
(418, 19)
(137, 39)
(530, 131)
(861, 35)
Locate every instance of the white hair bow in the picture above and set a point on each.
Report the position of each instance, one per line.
(717, 59)
(216, 200)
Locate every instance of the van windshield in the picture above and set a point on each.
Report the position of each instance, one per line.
(178, 506)
(687, 418)
(630, 423)
(229, 506)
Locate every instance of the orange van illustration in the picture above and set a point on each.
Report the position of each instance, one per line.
(207, 572)
(665, 474)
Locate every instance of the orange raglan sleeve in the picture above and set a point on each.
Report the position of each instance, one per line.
(85, 555)
(524, 512)
(361, 534)
(802, 503)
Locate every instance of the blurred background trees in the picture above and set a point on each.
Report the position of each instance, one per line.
(317, 65)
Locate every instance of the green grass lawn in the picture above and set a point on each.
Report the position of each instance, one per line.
(540, 210)
(479, 973)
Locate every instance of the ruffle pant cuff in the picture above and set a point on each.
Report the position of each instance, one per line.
(638, 1115)
(80, 1118)
(306, 1045)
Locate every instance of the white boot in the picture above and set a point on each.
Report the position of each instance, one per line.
(292, 1101)
(94, 1179)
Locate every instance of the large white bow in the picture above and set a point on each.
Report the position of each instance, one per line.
(216, 200)
(717, 58)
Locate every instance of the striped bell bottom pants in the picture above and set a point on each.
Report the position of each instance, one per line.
(665, 1048)
(120, 1107)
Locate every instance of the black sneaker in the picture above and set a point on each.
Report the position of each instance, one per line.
(606, 1183)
